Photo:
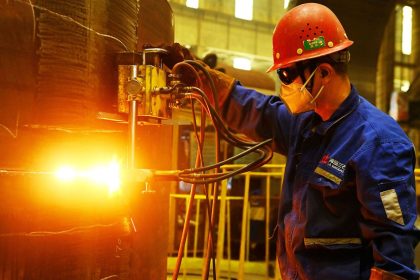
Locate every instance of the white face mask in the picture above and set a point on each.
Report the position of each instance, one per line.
(297, 98)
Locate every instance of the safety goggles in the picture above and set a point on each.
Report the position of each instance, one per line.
(288, 75)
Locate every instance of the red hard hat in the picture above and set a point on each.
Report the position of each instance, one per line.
(307, 31)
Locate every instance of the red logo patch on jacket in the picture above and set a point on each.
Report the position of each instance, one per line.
(325, 159)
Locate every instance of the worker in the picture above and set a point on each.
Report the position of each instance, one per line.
(348, 201)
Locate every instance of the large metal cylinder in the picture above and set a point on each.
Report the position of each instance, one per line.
(58, 58)
(57, 72)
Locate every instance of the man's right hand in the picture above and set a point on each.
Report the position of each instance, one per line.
(176, 53)
(223, 83)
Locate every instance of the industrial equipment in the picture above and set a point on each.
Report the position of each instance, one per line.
(79, 95)
(143, 86)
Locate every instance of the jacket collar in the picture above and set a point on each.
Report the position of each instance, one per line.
(345, 109)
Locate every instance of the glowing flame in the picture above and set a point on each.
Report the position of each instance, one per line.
(100, 175)
(65, 173)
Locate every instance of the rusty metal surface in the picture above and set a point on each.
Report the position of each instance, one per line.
(17, 62)
(57, 61)
(76, 74)
(156, 25)
(57, 71)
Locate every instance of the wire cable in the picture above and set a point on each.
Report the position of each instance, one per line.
(196, 175)
(199, 161)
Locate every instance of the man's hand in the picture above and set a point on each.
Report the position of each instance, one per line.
(223, 83)
(176, 53)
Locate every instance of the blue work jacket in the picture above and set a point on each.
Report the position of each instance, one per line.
(348, 200)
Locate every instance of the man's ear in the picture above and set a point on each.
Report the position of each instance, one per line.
(326, 70)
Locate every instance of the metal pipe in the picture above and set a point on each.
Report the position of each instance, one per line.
(132, 124)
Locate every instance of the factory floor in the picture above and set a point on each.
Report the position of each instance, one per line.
(222, 277)
(192, 269)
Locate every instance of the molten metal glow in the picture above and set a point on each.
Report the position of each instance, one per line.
(65, 173)
(107, 175)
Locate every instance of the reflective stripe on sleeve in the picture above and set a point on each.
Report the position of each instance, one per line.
(392, 206)
(330, 241)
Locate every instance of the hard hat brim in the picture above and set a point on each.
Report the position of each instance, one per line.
(310, 55)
